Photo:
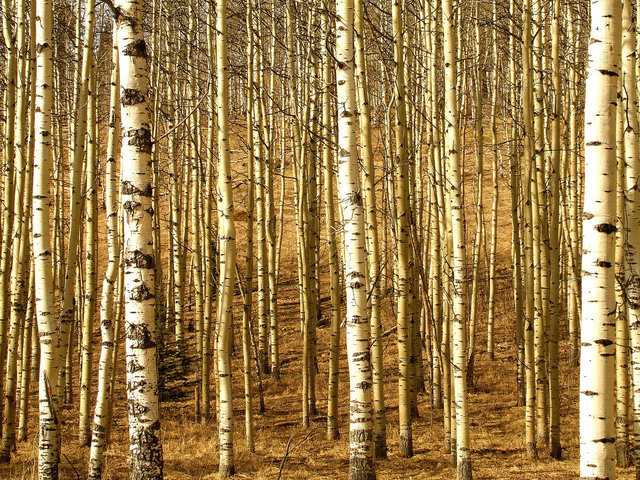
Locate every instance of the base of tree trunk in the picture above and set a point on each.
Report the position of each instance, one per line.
(447, 445)
(227, 470)
(532, 450)
(623, 455)
(380, 446)
(84, 439)
(146, 461)
(465, 472)
(361, 468)
(405, 447)
(5, 456)
(555, 450)
(543, 438)
(333, 433)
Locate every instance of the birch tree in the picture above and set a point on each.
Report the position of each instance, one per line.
(597, 358)
(454, 179)
(361, 463)
(226, 233)
(104, 398)
(49, 427)
(137, 198)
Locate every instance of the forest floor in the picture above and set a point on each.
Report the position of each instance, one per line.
(191, 449)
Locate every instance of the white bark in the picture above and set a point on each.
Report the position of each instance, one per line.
(454, 177)
(632, 220)
(49, 437)
(361, 463)
(139, 262)
(597, 359)
(227, 239)
(104, 398)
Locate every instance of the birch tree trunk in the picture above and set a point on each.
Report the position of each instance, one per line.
(529, 274)
(250, 206)
(361, 459)
(553, 208)
(632, 220)
(49, 427)
(28, 359)
(405, 357)
(68, 295)
(597, 359)
(91, 230)
(574, 278)
(137, 198)
(328, 130)
(454, 177)
(21, 250)
(227, 239)
(104, 399)
(10, 40)
(373, 247)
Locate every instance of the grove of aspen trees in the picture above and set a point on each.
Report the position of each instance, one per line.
(319, 239)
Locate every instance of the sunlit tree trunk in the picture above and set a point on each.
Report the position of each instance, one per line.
(361, 462)
(21, 251)
(28, 359)
(227, 239)
(529, 273)
(90, 274)
(632, 215)
(271, 120)
(539, 227)
(49, 433)
(573, 308)
(137, 197)
(247, 318)
(454, 180)
(496, 189)
(328, 130)
(256, 92)
(69, 308)
(403, 238)
(104, 398)
(479, 240)
(597, 359)
(373, 247)
(10, 42)
(555, 448)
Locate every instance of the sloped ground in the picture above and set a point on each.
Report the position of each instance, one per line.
(497, 425)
